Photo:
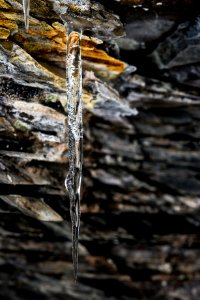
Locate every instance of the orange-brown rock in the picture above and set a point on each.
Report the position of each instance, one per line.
(48, 42)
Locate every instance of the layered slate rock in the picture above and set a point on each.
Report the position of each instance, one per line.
(140, 203)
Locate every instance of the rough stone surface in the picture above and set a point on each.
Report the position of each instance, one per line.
(140, 203)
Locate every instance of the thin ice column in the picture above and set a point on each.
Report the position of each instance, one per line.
(75, 136)
(26, 10)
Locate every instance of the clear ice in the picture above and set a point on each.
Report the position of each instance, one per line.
(75, 136)
(26, 10)
(74, 121)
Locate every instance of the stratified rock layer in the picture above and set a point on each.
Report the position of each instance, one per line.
(140, 203)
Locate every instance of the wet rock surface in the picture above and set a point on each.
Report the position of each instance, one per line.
(140, 204)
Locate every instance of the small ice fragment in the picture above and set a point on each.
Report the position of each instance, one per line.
(9, 178)
(26, 10)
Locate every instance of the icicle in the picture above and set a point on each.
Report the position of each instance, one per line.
(26, 9)
(75, 136)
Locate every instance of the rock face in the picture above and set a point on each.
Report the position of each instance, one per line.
(140, 203)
